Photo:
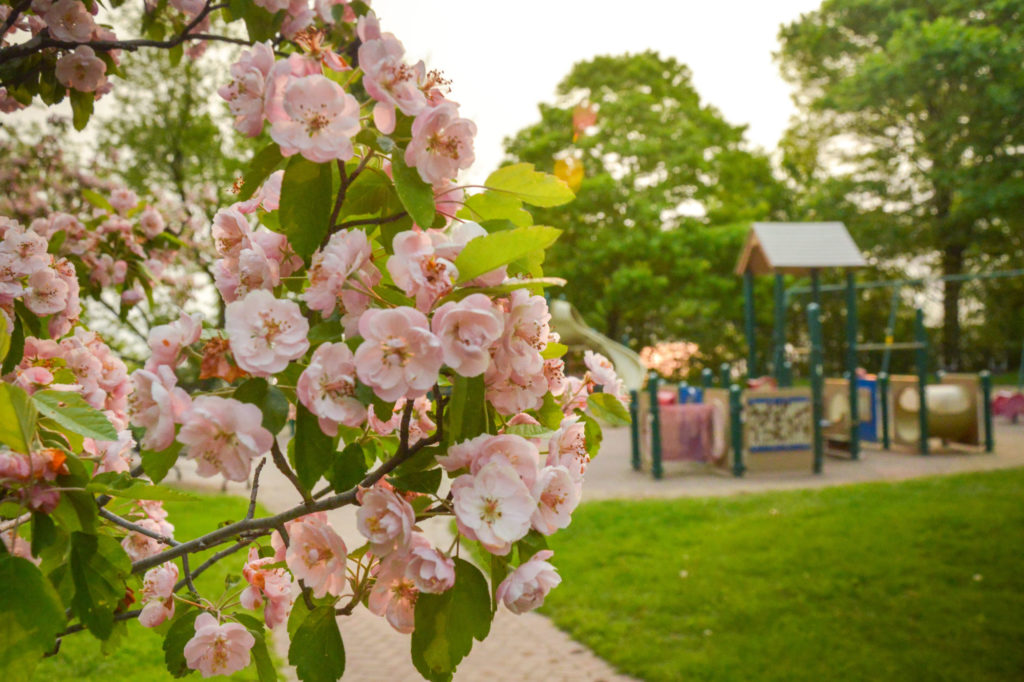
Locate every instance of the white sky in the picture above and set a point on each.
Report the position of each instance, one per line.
(504, 58)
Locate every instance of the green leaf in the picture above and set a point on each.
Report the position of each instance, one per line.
(466, 415)
(17, 418)
(76, 510)
(139, 490)
(483, 254)
(261, 24)
(81, 107)
(260, 654)
(608, 409)
(260, 168)
(272, 402)
(98, 566)
(348, 469)
(97, 200)
(317, 651)
(314, 450)
(325, 332)
(531, 186)
(305, 204)
(44, 532)
(530, 431)
(156, 463)
(554, 350)
(31, 615)
(183, 628)
(418, 481)
(5, 338)
(550, 413)
(592, 435)
(530, 544)
(495, 206)
(16, 350)
(416, 195)
(447, 623)
(74, 414)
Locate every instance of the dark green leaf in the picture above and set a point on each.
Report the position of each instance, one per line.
(31, 615)
(418, 481)
(260, 654)
(592, 435)
(325, 332)
(314, 450)
(272, 402)
(349, 468)
(417, 196)
(530, 544)
(139, 490)
(156, 463)
(183, 628)
(305, 204)
(466, 415)
(317, 651)
(74, 414)
(16, 350)
(98, 567)
(44, 533)
(260, 168)
(81, 107)
(530, 431)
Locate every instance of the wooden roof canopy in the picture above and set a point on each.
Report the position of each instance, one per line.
(798, 248)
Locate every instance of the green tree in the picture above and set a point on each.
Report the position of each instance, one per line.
(669, 187)
(912, 130)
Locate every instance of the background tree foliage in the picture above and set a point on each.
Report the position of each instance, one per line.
(912, 131)
(668, 191)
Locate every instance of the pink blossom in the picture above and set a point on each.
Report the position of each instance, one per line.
(394, 595)
(218, 649)
(81, 70)
(554, 372)
(390, 81)
(602, 372)
(245, 93)
(231, 232)
(462, 455)
(267, 197)
(18, 546)
(151, 222)
(420, 423)
(316, 554)
(70, 21)
(467, 330)
(557, 496)
(156, 405)
(514, 450)
(442, 143)
(568, 449)
(327, 388)
(158, 594)
(493, 506)
(419, 271)
(299, 16)
(224, 435)
(511, 393)
(574, 397)
(123, 200)
(166, 341)
(140, 546)
(113, 455)
(321, 120)
(341, 274)
(265, 333)
(526, 587)
(386, 520)
(428, 569)
(273, 584)
(47, 293)
(526, 332)
(399, 355)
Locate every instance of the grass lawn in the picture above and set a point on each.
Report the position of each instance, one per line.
(918, 580)
(140, 657)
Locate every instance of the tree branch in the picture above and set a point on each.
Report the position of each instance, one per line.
(370, 221)
(282, 465)
(255, 487)
(125, 523)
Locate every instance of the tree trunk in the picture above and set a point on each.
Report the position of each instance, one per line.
(952, 264)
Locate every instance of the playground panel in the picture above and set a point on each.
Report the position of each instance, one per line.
(778, 430)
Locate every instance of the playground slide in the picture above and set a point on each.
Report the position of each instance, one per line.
(567, 321)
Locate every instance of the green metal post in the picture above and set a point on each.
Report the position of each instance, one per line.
(815, 287)
(787, 374)
(725, 374)
(851, 362)
(890, 328)
(707, 377)
(986, 396)
(634, 427)
(883, 397)
(817, 385)
(779, 329)
(736, 429)
(921, 358)
(652, 390)
(748, 319)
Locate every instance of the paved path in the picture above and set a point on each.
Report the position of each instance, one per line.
(529, 647)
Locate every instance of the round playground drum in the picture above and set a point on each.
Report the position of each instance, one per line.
(950, 412)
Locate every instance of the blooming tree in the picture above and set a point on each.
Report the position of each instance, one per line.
(399, 319)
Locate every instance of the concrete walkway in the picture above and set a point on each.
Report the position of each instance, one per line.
(529, 647)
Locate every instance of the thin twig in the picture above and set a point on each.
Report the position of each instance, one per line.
(78, 627)
(241, 544)
(16, 10)
(188, 574)
(282, 465)
(371, 221)
(255, 487)
(125, 523)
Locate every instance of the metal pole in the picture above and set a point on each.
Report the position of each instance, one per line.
(921, 357)
(707, 377)
(883, 397)
(748, 318)
(851, 362)
(986, 397)
(634, 427)
(736, 429)
(652, 390)
(787, 374)
(817, 385)
(815, 287)
(779, 329)
(890, 330)
(725, 374)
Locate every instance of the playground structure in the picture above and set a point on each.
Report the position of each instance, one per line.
(575, 333)
(788, 428)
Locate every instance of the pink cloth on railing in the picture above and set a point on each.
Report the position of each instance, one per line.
(687, 432)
